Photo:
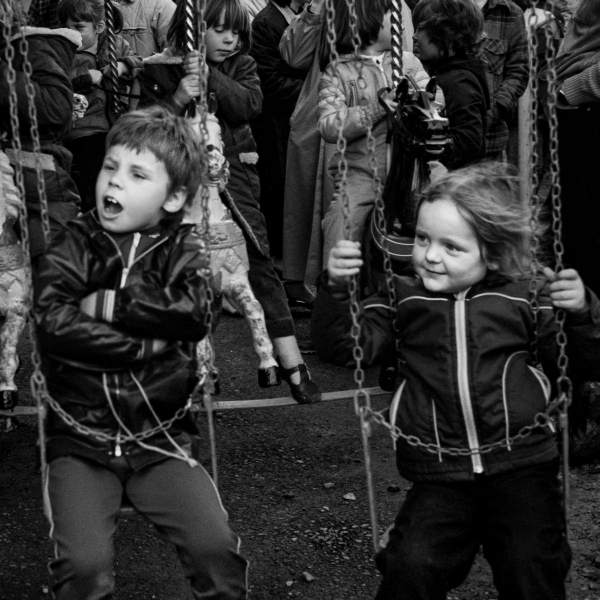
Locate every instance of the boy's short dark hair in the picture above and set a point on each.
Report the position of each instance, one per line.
(170, 138)
(369, 16)
(87, 11)
(451, 24)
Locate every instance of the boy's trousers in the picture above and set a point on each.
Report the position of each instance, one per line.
(182, 503)
(516, 517)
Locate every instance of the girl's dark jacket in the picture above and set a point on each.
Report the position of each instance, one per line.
(467, 377)
(236, 86)
(149, 286)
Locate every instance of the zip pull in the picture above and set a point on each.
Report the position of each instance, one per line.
(118, 446)
(131, 258)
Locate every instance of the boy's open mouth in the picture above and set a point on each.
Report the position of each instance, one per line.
(111, 206)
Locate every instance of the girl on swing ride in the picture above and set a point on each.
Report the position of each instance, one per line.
(233, 82)
(468, 387)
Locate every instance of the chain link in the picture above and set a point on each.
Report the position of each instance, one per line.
(541, 420)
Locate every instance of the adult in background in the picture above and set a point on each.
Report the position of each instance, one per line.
(145, 22)
(281, 85)
(308, 185)
(578, 73)
(505, 51)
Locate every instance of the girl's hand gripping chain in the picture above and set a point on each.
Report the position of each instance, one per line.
(189, 86)
(345, 261)
(567, 290)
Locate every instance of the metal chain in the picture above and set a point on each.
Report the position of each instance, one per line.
(106, 437)
(7, 19)
(563, 382)
(209, 366)
(535, 200)
(542, 419)
(35, 137)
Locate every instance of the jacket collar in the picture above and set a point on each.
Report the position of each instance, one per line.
(493, 3)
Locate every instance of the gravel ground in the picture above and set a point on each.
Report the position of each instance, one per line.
(293, 481)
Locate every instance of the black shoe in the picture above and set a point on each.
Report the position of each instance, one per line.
(298, 295)
(305, 392)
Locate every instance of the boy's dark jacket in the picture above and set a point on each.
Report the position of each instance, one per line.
(467, 377)
(467, 100)
(88, 360)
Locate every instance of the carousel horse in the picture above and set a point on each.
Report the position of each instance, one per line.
(419, 136)
(229, 258)
(14, 285)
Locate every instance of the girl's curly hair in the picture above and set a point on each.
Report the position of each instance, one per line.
(453, 25)
(487, 196)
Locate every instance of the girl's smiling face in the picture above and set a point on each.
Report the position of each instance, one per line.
(447, 254)
(221, 41)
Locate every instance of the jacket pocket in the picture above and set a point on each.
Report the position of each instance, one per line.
(495, 53)
(525, 391)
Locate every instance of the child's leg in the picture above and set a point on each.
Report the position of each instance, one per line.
(88, 156)
(432, 545)
(84, 502)
(361, 199)
(524, 534)
(185, 507)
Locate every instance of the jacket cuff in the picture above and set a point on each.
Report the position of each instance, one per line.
(105, 305)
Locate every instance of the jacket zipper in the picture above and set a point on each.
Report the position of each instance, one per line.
(462, 368)
(131, 258)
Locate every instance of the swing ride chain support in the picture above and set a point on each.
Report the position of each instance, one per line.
(202, 107)
(540, 421)
(535, 200)
(564, 383)
(362, 399)
(37, 379)
(113, 69)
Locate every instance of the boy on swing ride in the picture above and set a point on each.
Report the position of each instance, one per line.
(119, 305)
(468, 379)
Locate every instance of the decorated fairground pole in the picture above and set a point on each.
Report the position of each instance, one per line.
(396, 22)
(112, 77)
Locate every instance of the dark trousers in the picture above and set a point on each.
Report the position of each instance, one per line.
(578, 135)
(244, 188)
(88, 156)
(516, 517)
(181, 502)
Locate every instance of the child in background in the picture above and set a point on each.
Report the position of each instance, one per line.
(173, 80)
(50, 55)
(119, 307)
(87, 138)
(341, 100)
(448, 36)
(468, 379)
